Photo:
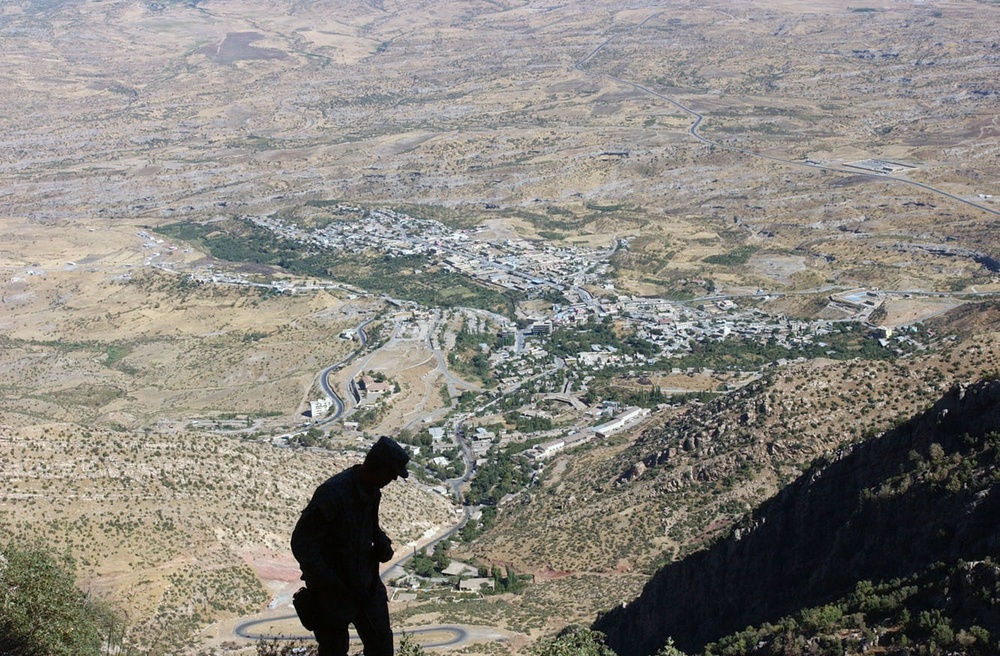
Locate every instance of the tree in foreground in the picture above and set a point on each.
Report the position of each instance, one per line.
(42, 613)
(573, 641)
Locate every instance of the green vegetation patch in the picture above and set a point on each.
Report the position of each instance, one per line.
(110, 354)
(42, 612)
(644, 397)
(736, 257)
(904, 615)
(555, 219)
(644, 260)
(568, 342)
(89, 395)
(452, 217)
(331, 202)
(468, 356)
(846, 341)
(604, 209)
(411, 277)
(500, 476)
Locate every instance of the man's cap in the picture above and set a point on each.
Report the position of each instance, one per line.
(387, 452)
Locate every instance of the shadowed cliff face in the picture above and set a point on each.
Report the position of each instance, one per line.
(922, 493)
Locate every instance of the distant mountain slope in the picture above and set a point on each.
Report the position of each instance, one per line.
(925, 492)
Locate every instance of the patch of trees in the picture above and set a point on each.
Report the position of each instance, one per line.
(642, 397)
(565, 342)
(573, 640)
(413, 277)
(915, 615)
(525, 424)
(310, 438)
(43, 614)
(686, 397)
(468, 355)
(501, 476)
(518, 398)
(433, 564)
(846, 342)
(370, 415)
(475, 527)
(477, 365)
(737, 256)
(420, 438)
(506, 579)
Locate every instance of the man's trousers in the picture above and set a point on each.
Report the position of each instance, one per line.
(371, 622)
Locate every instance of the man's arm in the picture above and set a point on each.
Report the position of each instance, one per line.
(308, 540)
(383, 546)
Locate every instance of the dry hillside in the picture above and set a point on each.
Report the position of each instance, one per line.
(634, 505)
(178, 531)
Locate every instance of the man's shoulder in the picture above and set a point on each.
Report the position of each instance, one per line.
(336, 486)
(341, 478)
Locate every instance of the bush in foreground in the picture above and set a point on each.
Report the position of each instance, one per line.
(42, 613)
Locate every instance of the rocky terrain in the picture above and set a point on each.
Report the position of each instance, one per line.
(629, 505)
(922, 494)
(182, 530)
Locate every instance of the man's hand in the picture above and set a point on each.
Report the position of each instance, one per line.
(383, 547)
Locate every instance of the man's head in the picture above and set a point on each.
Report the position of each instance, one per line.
(386, 455)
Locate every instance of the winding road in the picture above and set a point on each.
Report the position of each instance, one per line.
(434, 636)
(456, 635)
(324, 376)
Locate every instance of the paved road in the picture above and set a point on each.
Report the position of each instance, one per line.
(830, 288)
(324, 376)
(442, 636)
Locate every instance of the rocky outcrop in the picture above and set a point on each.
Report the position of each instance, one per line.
(924, 492)
(697, 434)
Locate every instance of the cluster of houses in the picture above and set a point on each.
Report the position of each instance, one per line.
(673, 328)
(515, 264)
(529, 267)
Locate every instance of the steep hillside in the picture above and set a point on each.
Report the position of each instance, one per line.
(644, 500)
(177, 531)
(924, 493)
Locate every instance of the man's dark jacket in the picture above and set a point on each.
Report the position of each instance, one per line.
(339, 544)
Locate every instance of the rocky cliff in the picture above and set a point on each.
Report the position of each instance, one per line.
(891, 506)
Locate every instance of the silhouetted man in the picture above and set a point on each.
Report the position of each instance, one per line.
(339, 545)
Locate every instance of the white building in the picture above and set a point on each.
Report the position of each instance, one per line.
(320, 407)
(547, 450)
(630, 416)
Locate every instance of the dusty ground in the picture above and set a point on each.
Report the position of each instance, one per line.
(163, 526)
(908, 311)
(131, 336)
(540, 121)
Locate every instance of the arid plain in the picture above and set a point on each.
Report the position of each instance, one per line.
(690, 129)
